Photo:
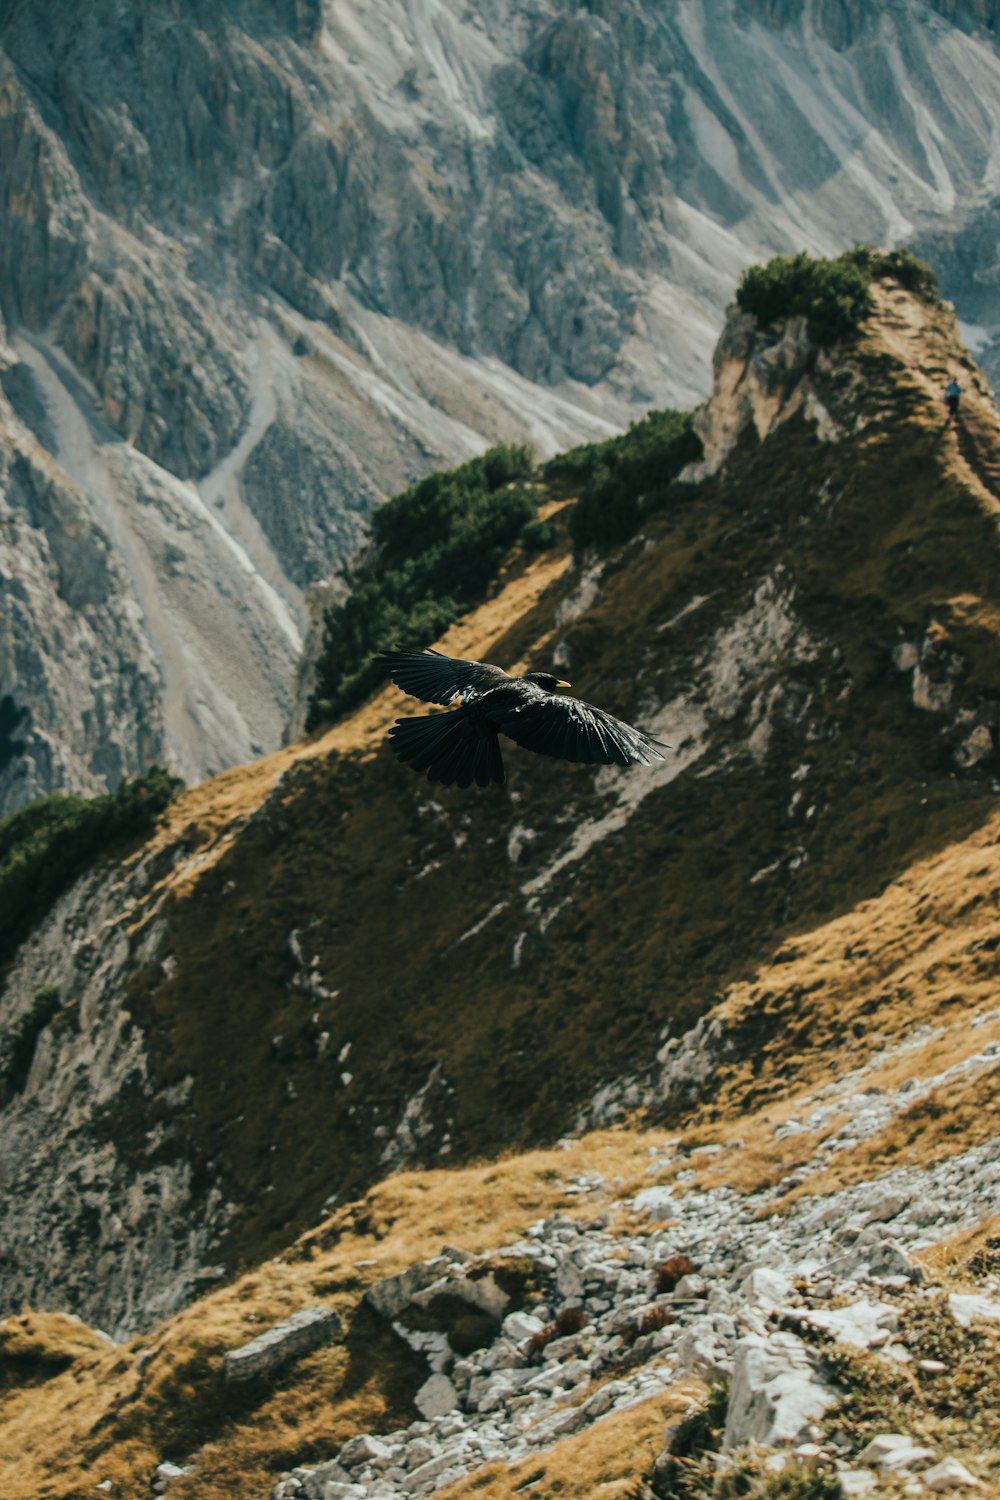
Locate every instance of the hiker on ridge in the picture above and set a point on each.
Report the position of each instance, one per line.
(952, 395)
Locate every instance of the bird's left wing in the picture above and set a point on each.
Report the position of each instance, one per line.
(440, 679)
(570, 729)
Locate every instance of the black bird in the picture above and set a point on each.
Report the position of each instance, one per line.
(462, 747)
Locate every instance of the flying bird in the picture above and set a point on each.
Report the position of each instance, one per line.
(459, 748)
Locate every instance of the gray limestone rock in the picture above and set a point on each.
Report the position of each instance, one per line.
(269, 1351)
(436, 1397)
(776, 1393)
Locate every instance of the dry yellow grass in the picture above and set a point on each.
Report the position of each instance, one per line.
(948, 1259)
(859, 991)
(601, 1462)
(467, 880)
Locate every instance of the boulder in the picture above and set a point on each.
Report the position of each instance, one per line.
(765, 1287)
(857, 1483)
(391, 1296)
(656, 1203)
(436, 1397)
(702, 1353)
(566, 1420)
(967, 1308)
(520, 1326)
(949, 1474)
(862, 1325)
(892, 1452)
(364, 1449)
(776, 1393)
(297, 1335)
(416, 1479)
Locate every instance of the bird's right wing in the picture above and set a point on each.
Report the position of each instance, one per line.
(570, 729)
(440, 679)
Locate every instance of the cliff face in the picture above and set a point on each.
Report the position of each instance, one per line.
(81, 701)
(261, 265)
(322, 969)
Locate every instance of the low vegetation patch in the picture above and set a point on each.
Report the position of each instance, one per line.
(433, 553)
(953, 1406)
(672, 1270)
(44, 847)
(834, 296)
(568, 1321)
(34, 1347)
(686, 1468)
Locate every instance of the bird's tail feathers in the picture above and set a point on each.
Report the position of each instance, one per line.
(453, 749)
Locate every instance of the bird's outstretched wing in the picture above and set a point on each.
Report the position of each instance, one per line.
(570, 729)
(440, 679)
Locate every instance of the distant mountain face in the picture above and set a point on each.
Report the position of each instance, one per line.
(263, 263)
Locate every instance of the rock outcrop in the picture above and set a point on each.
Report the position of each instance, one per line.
(271, 1351)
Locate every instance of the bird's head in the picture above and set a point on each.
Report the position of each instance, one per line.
(546, 680)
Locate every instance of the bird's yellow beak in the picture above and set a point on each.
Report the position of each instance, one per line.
(564, 684)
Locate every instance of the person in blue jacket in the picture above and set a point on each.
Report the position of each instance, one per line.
(952, 395)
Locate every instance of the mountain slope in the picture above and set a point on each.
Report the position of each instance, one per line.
(261, 265)
(322, 969)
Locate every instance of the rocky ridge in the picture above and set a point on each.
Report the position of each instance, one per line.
(276, 261)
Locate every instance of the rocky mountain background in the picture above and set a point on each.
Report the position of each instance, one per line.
(614, 1133)
(262, 264)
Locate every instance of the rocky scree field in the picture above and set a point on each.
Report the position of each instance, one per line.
(692, 1073)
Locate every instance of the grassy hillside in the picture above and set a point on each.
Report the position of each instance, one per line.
(913, 965)
(343, 971)
(474, 943)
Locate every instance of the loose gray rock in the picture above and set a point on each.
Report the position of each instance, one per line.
(893, 1452)
(302, 1332)
(949, 1474)
(863, 1325)
(776, 1393)
(435, 1397)
(966, 1308)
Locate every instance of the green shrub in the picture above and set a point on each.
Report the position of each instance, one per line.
(538, 535)
(895, 265)
(833, 295)
(629, 477)
(45, 846)
(434, 550)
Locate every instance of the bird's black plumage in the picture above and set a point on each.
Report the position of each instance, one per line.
(462, 747)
